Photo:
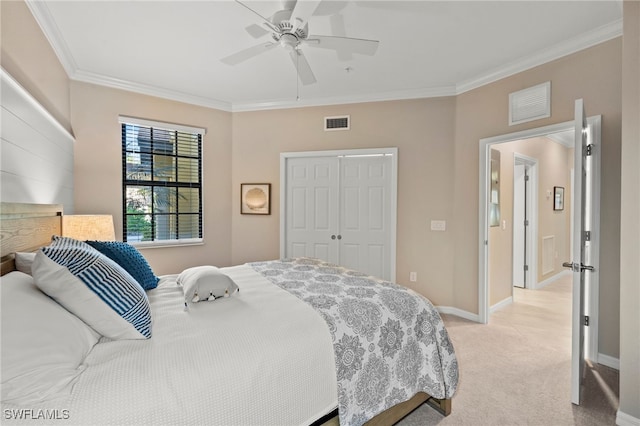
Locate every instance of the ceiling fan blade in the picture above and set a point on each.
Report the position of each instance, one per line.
(256, 31)
(344, 44)
(264, 20)
(249, 53)
(302, 12)
(302, 67)
(339, 29)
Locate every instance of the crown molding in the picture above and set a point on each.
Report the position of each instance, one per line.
(145, 89)
(46, 22)
(576, 44)
(352, 99)
(43, 17)
(565, 139)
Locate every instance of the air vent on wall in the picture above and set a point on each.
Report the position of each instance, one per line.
(530, 104)
(336, 123)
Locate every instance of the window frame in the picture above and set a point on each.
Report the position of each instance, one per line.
(152, 183)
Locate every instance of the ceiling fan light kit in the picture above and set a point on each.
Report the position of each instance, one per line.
(289, 30)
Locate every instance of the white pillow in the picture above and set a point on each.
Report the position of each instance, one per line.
(24, 261)
(93, 287)
(43, 344)
(202, 283)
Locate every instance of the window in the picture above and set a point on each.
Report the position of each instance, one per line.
(161, 182)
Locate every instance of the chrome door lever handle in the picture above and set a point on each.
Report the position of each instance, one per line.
(577, 267)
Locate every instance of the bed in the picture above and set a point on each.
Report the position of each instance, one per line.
(290, 347)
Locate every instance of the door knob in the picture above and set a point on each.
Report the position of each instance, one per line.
(333, 237)
(577, 267)
(339, 237)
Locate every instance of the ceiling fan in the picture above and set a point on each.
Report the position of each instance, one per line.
(289, 29)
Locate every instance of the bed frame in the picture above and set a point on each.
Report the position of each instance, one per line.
(27, 227)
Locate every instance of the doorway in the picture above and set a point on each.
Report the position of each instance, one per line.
(592, 294)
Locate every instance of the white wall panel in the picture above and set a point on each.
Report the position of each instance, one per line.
(36, 157)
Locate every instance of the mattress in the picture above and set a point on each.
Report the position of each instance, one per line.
(260, 357)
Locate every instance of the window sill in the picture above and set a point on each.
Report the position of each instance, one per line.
(167, 243)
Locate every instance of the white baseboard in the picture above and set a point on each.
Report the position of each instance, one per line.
(609, 361)
(623, 419)
(551, 279)
(501, 304)
(458, 312)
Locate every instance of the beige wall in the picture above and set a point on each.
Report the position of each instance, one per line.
(30, 59)
(423, 132)
(553, 170)
(592, 74)
(98, 167)
(630, 249)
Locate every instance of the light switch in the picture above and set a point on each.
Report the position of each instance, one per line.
(438, 225)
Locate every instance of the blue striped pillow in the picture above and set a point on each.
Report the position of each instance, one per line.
(94, 288)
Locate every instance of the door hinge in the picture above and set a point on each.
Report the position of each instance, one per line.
(588, 150)
(526, 177)
(526, 268)
(587, 235)
(586, 320)
(526, 223)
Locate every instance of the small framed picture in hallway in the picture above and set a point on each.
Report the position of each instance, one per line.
(558, 198)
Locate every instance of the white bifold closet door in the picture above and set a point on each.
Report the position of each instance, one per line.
(338, 209)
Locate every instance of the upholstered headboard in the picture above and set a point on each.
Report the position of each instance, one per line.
(26, 227)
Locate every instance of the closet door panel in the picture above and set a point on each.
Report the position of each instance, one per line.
(364, 214)
(312, 200)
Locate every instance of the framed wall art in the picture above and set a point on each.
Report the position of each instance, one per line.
(255, 198)
(558, 198)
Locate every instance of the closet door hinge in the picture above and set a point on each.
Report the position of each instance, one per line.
(586, 320)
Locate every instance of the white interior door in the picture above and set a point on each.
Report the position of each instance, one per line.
(519, 228)
(583, 242)
(311, 206)
(365, 208)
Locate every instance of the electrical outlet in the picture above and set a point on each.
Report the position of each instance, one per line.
(438, 225)
(413, 277)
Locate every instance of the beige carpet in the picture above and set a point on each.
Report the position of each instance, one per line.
(516, 369)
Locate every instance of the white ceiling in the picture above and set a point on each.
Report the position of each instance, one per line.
(173, 49)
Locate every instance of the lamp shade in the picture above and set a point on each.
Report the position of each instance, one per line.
(88, 227)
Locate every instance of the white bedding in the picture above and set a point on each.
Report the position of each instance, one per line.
(260, 357)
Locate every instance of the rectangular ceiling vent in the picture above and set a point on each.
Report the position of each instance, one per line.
(337, 123)
(530, 104)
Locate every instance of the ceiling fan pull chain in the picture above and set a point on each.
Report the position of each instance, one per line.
(297, 79)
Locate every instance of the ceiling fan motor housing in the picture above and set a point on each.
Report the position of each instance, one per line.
(281, 19)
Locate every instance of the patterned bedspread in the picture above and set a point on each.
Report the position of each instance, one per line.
(389, 342)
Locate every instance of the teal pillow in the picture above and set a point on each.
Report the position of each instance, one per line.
(130, 259)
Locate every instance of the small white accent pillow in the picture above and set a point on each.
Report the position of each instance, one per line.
(202, 283)
(43, 344)
(24, 261)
